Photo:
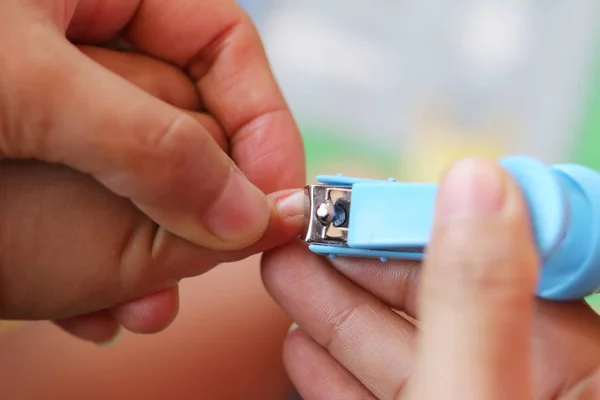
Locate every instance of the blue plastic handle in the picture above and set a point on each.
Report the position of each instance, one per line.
(393, 220)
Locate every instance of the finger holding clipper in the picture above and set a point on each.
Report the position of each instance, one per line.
(476, 300)
(159, 157)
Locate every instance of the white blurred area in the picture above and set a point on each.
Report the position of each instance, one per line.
(436, 79)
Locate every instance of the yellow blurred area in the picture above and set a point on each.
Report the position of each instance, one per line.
(438, 140)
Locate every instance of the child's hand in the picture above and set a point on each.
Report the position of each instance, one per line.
(479, 334)
(167, 151)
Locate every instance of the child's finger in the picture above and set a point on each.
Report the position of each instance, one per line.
(477, 291)
(149, 314)
(98, 327)
(316, 374)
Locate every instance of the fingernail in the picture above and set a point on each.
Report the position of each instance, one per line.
(112, 340)
(293, 204)
(293, 327)
(472, 188)
(240, 216)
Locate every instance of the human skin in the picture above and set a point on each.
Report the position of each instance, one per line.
(463, 325)
(113, 192)
(225, 344)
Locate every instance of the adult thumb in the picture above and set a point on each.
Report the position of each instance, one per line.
(58, 106)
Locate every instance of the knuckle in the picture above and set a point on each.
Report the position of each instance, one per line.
(340, 322)
(26, 118)
(178, 154)
(135, 262)
(171, 139)
(152, 258)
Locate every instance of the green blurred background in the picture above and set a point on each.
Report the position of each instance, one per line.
(587, 137)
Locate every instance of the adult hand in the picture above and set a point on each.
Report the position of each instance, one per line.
(464, 325)
(159, 158)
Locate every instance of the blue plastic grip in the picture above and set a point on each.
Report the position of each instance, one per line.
(407, 205)
(393, 220)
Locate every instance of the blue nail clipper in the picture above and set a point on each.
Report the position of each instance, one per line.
(367, 218)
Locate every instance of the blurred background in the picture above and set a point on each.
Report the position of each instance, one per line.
(408, 86)
(379, 88)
